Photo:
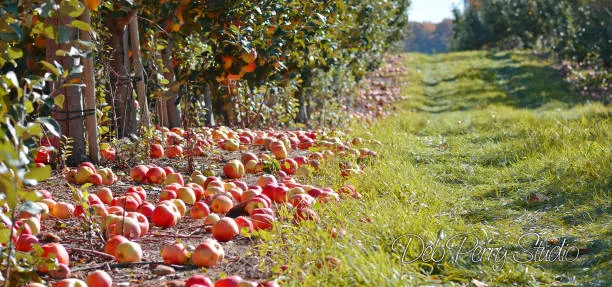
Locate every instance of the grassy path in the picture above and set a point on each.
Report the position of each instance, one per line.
(490, 150)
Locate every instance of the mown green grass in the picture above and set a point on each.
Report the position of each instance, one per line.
(479, 134)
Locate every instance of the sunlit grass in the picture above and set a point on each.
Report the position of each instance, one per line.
(479, 135)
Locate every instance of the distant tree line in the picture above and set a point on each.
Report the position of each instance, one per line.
(428, 37)
(578, 30)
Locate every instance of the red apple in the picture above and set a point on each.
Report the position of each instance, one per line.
(225, 229)
(164, 216)
(231, 281)
(156, 175)
(174, 178)
(139, 173)
(244, 223)
(174, 151)
(221, 204)
(262, 221)
(208, 253)
(157, 151)
(175, 253)
(200, 280)
(99, 278)
(233, 169)
(199, 210)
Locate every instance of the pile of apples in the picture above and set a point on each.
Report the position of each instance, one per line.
(87, 173)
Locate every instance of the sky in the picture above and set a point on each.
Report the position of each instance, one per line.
(432, 10)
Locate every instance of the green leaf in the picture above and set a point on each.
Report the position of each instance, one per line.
(14, 53)
(5, 235)
(59, 100)
(80, 25)
(10, 191)
(164, 81)
(29, 107)
(51, 125)
(71, 8)
(39, 173)
(50, 67)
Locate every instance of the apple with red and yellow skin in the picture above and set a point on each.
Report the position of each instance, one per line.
(200, 179)
(128, 252)
(71, 282)
(288, 165)
(55, 250)
(248, 194)
(186, 194)
(221, 204)
(157, 151)
(279, 194)
(199, 280)
(175, 253)
(139, 173)
(134, 196)
(180, 206)
(268, 189)
(230, 281)
(156, 175)
(62, 210)
(244, 223)
(230, 145)
(262, 221)
(99, 278)
(33, 223)
(211, 179)
(278, 149)
(111, 244)
(105, 195)
(208, 253)
(167, 194)
(95, 179)
(164, 215)
(142, 220)
(247, 156)
(174, 151)
(225, 229)
(108, 177)
(109, 153)
(266, 179)
(197, 189)
(174, 178)
(233, 169)
(199, 210)
(255, 203)
(301, 200)
(83, 174)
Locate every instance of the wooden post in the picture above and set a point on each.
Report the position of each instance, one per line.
(90, 97)
(138, 71)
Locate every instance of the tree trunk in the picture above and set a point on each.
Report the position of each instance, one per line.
(74, 102)
(303, 116)
(138, 71)
(124, 108)
(90, 96)
(172, 104)
(209, 119)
